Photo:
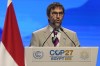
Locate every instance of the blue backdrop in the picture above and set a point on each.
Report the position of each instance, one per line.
(81, 16)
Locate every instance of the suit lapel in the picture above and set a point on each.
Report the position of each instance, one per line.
(46, 34)
(62, 40)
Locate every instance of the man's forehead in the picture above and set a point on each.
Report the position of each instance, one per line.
(57, 8)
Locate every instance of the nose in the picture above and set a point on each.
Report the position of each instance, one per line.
(58, 15)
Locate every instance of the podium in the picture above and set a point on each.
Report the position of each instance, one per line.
(61, 56)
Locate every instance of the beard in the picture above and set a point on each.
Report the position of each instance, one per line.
(56, 24)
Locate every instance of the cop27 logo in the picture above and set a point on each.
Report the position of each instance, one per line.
(61, 52)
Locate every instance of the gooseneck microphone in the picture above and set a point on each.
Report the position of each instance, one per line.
(48, 37)
(68, 36)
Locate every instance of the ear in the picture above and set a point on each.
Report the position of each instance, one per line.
(48, 17)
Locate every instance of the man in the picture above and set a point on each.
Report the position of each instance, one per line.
(54, 35)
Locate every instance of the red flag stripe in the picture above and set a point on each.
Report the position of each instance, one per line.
(11, 37)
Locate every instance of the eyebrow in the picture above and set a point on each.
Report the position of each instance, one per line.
(57, 12)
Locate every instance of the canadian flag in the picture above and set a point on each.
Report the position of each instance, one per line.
(11, 46)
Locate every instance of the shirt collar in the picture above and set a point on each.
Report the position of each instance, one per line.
(51, 29)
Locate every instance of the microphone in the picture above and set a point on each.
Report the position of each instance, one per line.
(68, 37)
(48, 37)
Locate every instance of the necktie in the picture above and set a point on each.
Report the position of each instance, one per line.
(55, 39)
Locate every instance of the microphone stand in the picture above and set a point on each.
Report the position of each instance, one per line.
(48, 37)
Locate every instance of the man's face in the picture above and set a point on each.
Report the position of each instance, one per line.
(56, 16)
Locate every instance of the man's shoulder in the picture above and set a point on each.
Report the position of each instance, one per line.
(40, 30)
(68, 30)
